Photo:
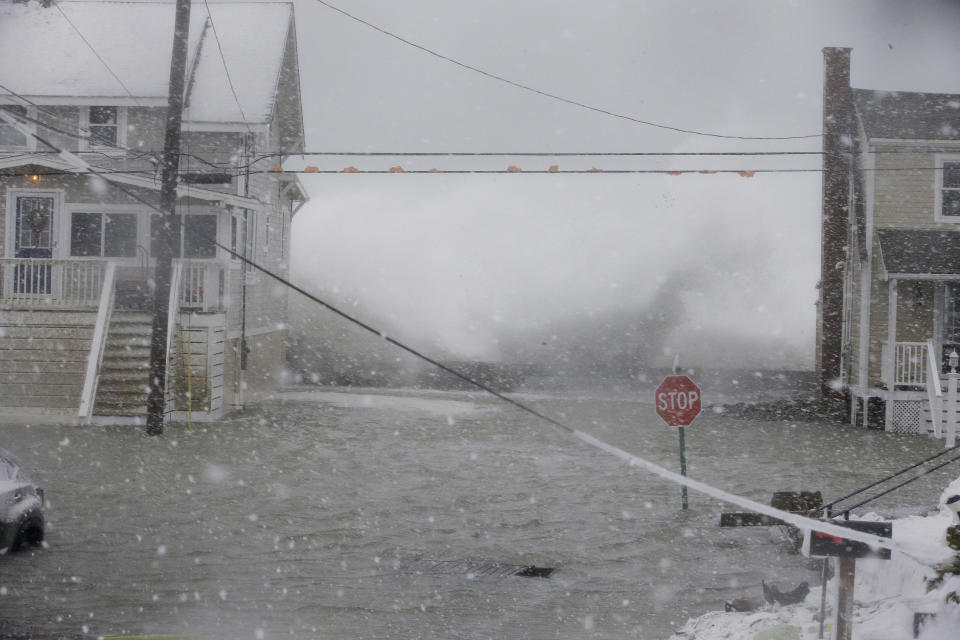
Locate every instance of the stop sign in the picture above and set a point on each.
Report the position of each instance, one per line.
(677, 400)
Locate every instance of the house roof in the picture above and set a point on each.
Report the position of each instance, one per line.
(47, 58)
(908, 115)
(920, 253)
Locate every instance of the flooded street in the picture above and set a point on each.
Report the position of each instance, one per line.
(300, 518)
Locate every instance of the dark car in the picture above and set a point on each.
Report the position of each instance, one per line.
(21, 503)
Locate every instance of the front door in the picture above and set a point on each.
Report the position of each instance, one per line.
(33, 240)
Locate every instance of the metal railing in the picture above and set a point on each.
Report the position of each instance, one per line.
(40, 282)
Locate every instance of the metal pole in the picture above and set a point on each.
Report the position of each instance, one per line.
(168, 232)
(683, 465)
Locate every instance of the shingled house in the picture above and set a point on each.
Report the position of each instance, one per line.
(890, 275)
(76, 254)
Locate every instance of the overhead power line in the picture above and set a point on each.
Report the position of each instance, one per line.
(537, 154)
(743, 173)
(555, 96)
(633, 460)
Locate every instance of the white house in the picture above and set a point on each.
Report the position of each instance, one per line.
(75, 249)
(890, 277)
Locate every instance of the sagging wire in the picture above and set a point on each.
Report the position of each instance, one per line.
(800, 522)
(828, 508)
(847, 510)
(99, 57)
(554, 96)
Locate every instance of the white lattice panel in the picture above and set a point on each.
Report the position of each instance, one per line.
(907, 416)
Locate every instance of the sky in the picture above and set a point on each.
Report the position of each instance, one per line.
(470, 266)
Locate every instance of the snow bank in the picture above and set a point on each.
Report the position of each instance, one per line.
(887, 593)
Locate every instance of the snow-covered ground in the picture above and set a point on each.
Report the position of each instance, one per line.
(887, 594)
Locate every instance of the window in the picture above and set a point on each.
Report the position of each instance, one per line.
(950, 190)
(104, 125)
(34, 226)
(10, 136)
(197, 236)
(243, 235)
(106, 235)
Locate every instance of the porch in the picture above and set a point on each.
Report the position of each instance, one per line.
(77, 284)
(75, 335)
(909, 326)
(909, 378)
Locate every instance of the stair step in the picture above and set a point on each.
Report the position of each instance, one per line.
(122, 398)
(112, 388)
(121, 412)
(126, 352)
(118, 342)
(137, 318)
(143, 331)
(111, 375)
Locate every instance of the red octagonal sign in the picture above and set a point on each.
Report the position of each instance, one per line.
(677, 400)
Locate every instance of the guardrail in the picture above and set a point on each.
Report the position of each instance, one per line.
(40, 282)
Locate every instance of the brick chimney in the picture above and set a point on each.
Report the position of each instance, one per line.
(838, 135)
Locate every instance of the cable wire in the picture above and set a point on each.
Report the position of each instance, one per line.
(554, 96)
(904, 483)
(226, 71)
(790, 518)
(830, 505)
(745, 173)
(99, 57)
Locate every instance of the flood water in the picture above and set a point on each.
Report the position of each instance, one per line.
(297, 519)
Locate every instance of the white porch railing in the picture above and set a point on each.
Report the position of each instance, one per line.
(934, 391)
(97, 344)
(909, 364)
(173, 311)
(38, 282)
(203, 285)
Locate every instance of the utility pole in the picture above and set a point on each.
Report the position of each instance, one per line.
(167, 233)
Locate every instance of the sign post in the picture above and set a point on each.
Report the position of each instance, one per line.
(677, 401)
(683, 466)
(821, 545)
